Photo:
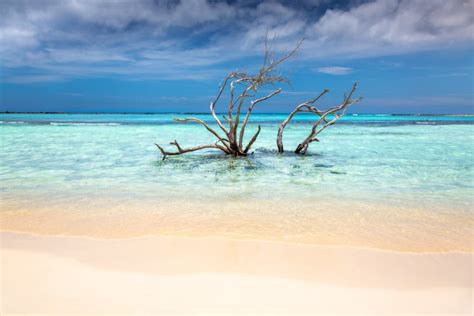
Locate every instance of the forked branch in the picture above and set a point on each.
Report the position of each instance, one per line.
(325, 119)
(303, 107)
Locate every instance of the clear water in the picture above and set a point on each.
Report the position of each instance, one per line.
(422, 162)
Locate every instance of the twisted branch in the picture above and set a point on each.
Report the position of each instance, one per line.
(300, 108)
(180, 151)
(338, 112)
(201, 122)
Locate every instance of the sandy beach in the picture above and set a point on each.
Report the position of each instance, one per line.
(227, 258)
(223, 157)
(370, 225)
(168, 275)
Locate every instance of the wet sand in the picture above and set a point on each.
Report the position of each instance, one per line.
(309, 221)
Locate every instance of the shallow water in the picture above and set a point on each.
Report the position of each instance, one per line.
(411, 162)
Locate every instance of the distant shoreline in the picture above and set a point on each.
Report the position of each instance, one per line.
(204, 113)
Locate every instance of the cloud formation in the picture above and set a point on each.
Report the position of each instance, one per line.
(192, 39)
(335, 70)
(386, 27)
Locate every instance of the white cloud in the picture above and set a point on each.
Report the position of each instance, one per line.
(193, 38)
(334, 70)
(388, 27)
(23, 79)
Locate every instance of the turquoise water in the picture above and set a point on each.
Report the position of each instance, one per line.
(396, 182)
(403, 159)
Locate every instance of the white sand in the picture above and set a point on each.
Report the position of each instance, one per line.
(169, 275)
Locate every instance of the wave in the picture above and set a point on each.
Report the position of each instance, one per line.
(426, 123)
(82, 124)
(13, 122)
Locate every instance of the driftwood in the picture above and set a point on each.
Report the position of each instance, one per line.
(230, 137)
(325, 119)
(303, 107)
(230, 132)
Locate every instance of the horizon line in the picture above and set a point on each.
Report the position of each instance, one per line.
(199, 113)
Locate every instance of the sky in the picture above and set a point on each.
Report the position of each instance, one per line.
(408, 56)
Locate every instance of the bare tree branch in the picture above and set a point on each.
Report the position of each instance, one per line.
(249, 112)
(252, 140)
(299, 108)
(213, 103)
(180, 151)
(241, 88)
(337, 111)
(241, 99)
(201, 122)
(274, 64)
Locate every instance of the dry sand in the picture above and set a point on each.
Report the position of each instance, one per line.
(221, 276)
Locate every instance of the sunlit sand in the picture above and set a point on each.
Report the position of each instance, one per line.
(45, 274)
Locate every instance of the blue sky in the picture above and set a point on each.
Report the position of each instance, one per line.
(411, 56)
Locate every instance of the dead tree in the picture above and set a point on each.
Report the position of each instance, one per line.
(325, 119)
(230, 135)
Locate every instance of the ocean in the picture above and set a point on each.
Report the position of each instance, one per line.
(419, 167)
